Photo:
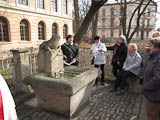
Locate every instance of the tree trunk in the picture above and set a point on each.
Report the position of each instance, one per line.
(140, 13)
(94, 26)
(77, 19)
(96, 4)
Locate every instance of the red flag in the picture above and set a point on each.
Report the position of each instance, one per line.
(1, 107)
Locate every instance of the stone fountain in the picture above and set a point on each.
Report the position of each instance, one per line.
(58, 89)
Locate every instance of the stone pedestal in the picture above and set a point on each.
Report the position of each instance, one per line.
(133, 84)
(21, 69)
(66, 95)
(50, 62)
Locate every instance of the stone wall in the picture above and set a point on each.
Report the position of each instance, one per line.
(86, 57)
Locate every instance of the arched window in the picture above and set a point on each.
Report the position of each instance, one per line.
(65, 31)
(24, 30)
(41, 31)
(3, 30)
(54, 29)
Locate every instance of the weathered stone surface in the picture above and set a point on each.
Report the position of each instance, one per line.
(64, 95)
(133, 84)
(22, 69)
(50, 57)
(102, 108)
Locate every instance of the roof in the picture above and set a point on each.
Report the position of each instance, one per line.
(114, 2)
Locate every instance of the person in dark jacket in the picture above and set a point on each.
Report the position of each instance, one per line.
(151, 85)
(119, 55)
(70, 51)
(131, 68)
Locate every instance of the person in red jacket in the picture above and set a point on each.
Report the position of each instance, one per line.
(7, 105)
(1, 107)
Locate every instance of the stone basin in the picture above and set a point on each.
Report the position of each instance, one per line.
(65, 95)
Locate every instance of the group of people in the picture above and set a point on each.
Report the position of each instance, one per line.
(126, 63)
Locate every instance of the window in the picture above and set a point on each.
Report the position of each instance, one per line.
(120, 31)
(112, 11)
(24, 30)
(3, 30)
(148, 22)
(149, 12)
(54, 29)
(112, 22)
(103, 22)
(120, 21)
(40, 4)
(41, 30)
(147, 34)
(143, 22)
(112, 33)
(104, 12)
(23, 2)
(64, 5)
(65, 30)
(137, 33)
(54, 5)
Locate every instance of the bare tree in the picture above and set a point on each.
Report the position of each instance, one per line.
(77, 16)
(94, 26)
(95, 5)
(140, 10)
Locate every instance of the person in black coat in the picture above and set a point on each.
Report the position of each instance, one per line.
(119, 55)
(70, 51)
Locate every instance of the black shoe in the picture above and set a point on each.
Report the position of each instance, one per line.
(95, 83)
(113, 90)
(102, 84)
(121, 92)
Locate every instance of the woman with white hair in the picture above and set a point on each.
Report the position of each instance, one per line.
(131, 67)
(119, 55)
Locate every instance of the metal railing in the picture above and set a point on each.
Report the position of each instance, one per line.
(7, 70)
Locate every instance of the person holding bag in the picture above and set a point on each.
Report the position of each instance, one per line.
(98, 50)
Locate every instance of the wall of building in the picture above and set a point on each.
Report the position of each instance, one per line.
(104, 21)
(14, 13)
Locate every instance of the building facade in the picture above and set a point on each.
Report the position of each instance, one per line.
(27, 23)
(109, 21)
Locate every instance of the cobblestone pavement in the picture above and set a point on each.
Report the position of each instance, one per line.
(102, 105)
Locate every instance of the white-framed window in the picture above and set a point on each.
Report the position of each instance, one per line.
(54, 29)
(24, 30)
(23, 2)
(104, 12)
(64, 6)
(3, 1)
(147, 34)
(4, 36)
(65, 31)
(41, 30)
(54, 5)
(40, 4)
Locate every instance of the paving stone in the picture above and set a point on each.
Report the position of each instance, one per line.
(103, 105)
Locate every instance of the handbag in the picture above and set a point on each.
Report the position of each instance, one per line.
(92, 61)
